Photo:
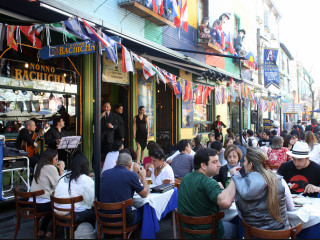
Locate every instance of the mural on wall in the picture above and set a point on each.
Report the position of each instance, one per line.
(145, 91)
(187, 114)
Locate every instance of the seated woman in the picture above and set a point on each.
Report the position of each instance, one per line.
(233, 155)
(160, 172)
(46, 178)
(135, 167)
(262, 197)
(277, 154)
(147, 160)
(196, 143)
(112, 156)
(75, 183)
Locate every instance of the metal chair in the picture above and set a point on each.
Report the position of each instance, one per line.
(66, 220)
(212, 219)
(26, 209)
(270, 234)
(114, 228)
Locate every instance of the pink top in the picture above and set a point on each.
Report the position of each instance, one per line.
(278, 156)
(146, 160)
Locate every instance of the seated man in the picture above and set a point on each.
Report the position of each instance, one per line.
(217, 145)
(201, 195)
(119, 184)
(301, 174)
(182, 164)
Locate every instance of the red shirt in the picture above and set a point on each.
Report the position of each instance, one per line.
(278, 156)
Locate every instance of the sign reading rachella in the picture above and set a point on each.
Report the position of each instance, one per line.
(39, 72)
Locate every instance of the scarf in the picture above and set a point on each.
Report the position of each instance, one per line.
(230, 167)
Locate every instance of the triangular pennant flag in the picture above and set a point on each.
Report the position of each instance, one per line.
(146, 66)
(58, 27)
(28, 31)
(75, 27)
(10, 37)
(223, 96)
(199, 94)
(127, 63)
(206, 95)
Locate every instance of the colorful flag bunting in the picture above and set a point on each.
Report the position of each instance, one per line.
(74, 26)
(199, 94)
(29, 32)
(207, 92)
(127, 63)
(10, 37)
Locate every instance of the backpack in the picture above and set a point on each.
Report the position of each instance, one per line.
(250, 142)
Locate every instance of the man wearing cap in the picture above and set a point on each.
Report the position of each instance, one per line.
(301, 174)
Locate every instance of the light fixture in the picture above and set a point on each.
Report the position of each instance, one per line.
(26, 65)
(56, 10)
(41, 93)
(16, 92)
(158, 91)
(35, 93)
(64, 74)
(24, 92)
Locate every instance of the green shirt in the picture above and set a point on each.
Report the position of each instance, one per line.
(198, 196)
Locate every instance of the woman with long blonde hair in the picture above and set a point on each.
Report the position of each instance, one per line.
(314, 147)
(262, 195)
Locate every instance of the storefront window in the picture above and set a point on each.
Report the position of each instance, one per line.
(202, 116)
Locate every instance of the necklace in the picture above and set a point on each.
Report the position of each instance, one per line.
(158, 170)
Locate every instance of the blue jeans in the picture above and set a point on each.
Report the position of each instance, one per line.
(136, 217)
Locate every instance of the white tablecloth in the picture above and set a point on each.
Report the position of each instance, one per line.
(308, 215)
(158, 201)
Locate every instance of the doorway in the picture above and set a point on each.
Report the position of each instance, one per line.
(166, 118)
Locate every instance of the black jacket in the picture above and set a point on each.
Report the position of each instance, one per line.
(52, 135)
(120, 131)
(24, 135)
(107, 134)
(223, 175)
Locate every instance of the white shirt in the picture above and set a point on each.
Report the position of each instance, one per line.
(177, 153)
(83, 186)
(254, 141)
(316, 153)
(166, 173)
(110, 161)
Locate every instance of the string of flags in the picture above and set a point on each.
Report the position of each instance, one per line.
(186, 90)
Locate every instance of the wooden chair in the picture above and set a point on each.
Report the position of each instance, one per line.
(271, 234)
(66, 220)
(114, 228)
(26, 209)
(212, 219)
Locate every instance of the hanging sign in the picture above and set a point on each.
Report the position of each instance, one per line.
(113, 73)
(267, 124)
(271, 70)
(69, 49)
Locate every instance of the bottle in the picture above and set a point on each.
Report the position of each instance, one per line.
(228, 179)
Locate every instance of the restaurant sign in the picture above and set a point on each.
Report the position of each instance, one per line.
(267, 124)
(69, 49)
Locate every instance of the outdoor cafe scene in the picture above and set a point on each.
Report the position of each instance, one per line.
(141, 123)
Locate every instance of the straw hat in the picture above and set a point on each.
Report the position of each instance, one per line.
(300, 150)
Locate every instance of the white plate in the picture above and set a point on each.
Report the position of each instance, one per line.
(301, 201)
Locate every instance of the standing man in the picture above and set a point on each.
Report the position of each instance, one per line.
(265, 141)
(313, 127)
(252, 141)
(218, 125)
(108, 126)
(201, 195)
(119, 133)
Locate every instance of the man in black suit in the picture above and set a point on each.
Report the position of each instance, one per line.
(120, 131)
(108, 126)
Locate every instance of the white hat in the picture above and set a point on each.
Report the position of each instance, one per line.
(300, 150)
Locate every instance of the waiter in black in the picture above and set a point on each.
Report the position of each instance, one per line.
(217, 125)
(120, 131)
(108, 126)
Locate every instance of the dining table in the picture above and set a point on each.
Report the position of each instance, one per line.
(306, 211)
(155, 207)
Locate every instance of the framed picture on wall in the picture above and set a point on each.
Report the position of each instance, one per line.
(145, 90)
(187, 114)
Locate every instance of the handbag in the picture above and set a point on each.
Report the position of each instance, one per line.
(162, 188)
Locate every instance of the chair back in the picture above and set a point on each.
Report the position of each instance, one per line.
(271, 234)
(212, 219)
(67, 219)
(102, 216)
(24, 207)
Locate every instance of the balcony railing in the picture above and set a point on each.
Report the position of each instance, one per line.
(140, 8)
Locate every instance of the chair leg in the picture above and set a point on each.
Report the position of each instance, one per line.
(174, 224)
(35, 228)
(54, 228)
(72, 232)
(17, 227)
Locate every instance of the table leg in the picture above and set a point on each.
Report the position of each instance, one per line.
(174, 224)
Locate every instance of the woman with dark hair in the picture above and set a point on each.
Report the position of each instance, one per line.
(277, 154)
(141, 132)
(196, 143)
(46, 178)
(289, 141)
(314, 146)
(262, 196)
(150, 147)
(75, 183)
(160, 172)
